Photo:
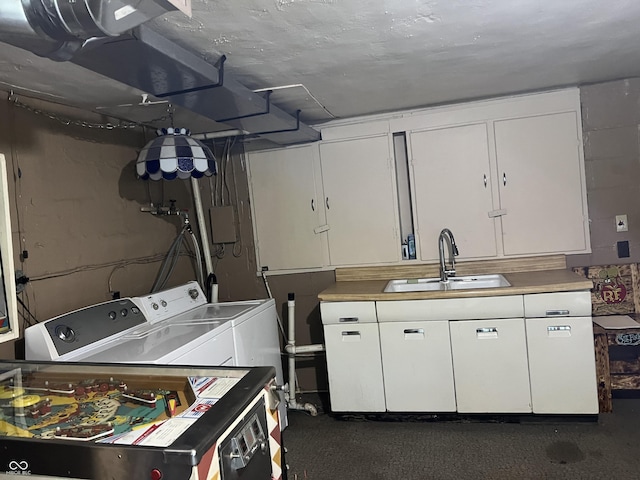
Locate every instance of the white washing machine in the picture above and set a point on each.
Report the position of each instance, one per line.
(172, 327)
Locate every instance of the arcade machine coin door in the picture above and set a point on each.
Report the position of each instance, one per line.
(9, 325)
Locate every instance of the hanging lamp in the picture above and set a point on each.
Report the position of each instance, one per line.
(174, 154)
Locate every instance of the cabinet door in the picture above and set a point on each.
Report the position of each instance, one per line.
(541, 184)
(562, 365)
(286, 208)
(360, 201)
(416, 359)
(354, 366)
(452, 189)
(490, 366)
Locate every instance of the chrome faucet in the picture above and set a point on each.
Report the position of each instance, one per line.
(445, 272)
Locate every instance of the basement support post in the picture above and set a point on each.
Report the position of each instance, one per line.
(202, 226)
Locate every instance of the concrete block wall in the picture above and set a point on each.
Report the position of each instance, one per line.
(611, 126)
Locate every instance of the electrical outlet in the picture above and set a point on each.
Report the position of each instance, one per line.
(621, 223)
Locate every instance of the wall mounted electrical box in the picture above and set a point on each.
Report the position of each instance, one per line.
(223, 225)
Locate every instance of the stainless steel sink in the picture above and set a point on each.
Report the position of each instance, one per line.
(454, 283)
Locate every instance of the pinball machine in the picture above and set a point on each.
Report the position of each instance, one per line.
(124, 421)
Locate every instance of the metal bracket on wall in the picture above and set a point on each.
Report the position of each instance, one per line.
(220, 83)
(281, 131)
(266, 112)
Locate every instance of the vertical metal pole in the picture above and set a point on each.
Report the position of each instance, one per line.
(202, 226)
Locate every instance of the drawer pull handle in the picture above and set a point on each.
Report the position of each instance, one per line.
(559, 331)
(487, 332)
(557, 313)
(351, 336)
(414, 330)
(414, 333)
(348, 319)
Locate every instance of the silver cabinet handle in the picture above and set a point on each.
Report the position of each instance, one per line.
(557, 313)
(486, 333)
(351, 336)
(348, 319)
(487, 330)
(559, 331)
(485, 180)
(504, 179)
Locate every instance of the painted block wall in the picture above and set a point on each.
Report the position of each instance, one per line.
(611, 123)
(75, 208)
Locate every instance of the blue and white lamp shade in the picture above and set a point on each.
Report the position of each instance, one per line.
(174, 154)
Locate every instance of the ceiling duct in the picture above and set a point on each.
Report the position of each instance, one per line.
(108, 37)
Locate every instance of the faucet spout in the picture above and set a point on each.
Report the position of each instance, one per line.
(445, 273)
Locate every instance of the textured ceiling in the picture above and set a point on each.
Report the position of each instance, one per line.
(344, 58)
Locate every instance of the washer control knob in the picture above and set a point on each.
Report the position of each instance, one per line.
(112, 315)
(124, 312)
(163, 303)
(155, 306)
(135, 310)
(193, 293)
(65, 333)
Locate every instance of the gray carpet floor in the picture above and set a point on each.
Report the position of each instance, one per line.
(327, 448)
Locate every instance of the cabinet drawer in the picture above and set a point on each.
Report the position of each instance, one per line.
(476, 308)
(559, 304)
(347, 312)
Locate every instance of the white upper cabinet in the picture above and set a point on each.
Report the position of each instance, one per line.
(511, 183)
(288, 212)
(540, 180)
(328, 205)
(506, 176)
(452, 188)
(360, 201)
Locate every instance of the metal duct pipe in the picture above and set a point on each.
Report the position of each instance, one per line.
(108, 37)
(148, 61)
(58, 28)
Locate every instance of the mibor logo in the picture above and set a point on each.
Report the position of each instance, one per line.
(18, 467)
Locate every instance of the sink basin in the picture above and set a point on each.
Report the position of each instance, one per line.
(454, 283)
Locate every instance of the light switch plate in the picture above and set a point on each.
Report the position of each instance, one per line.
(621, 223)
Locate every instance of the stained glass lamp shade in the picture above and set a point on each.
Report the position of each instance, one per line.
(174, 154)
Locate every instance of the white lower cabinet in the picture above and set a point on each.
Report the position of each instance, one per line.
(506, 354)
(417, 370)
(354, 365)
(490, 366)
(562, 365)
(561, 354)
